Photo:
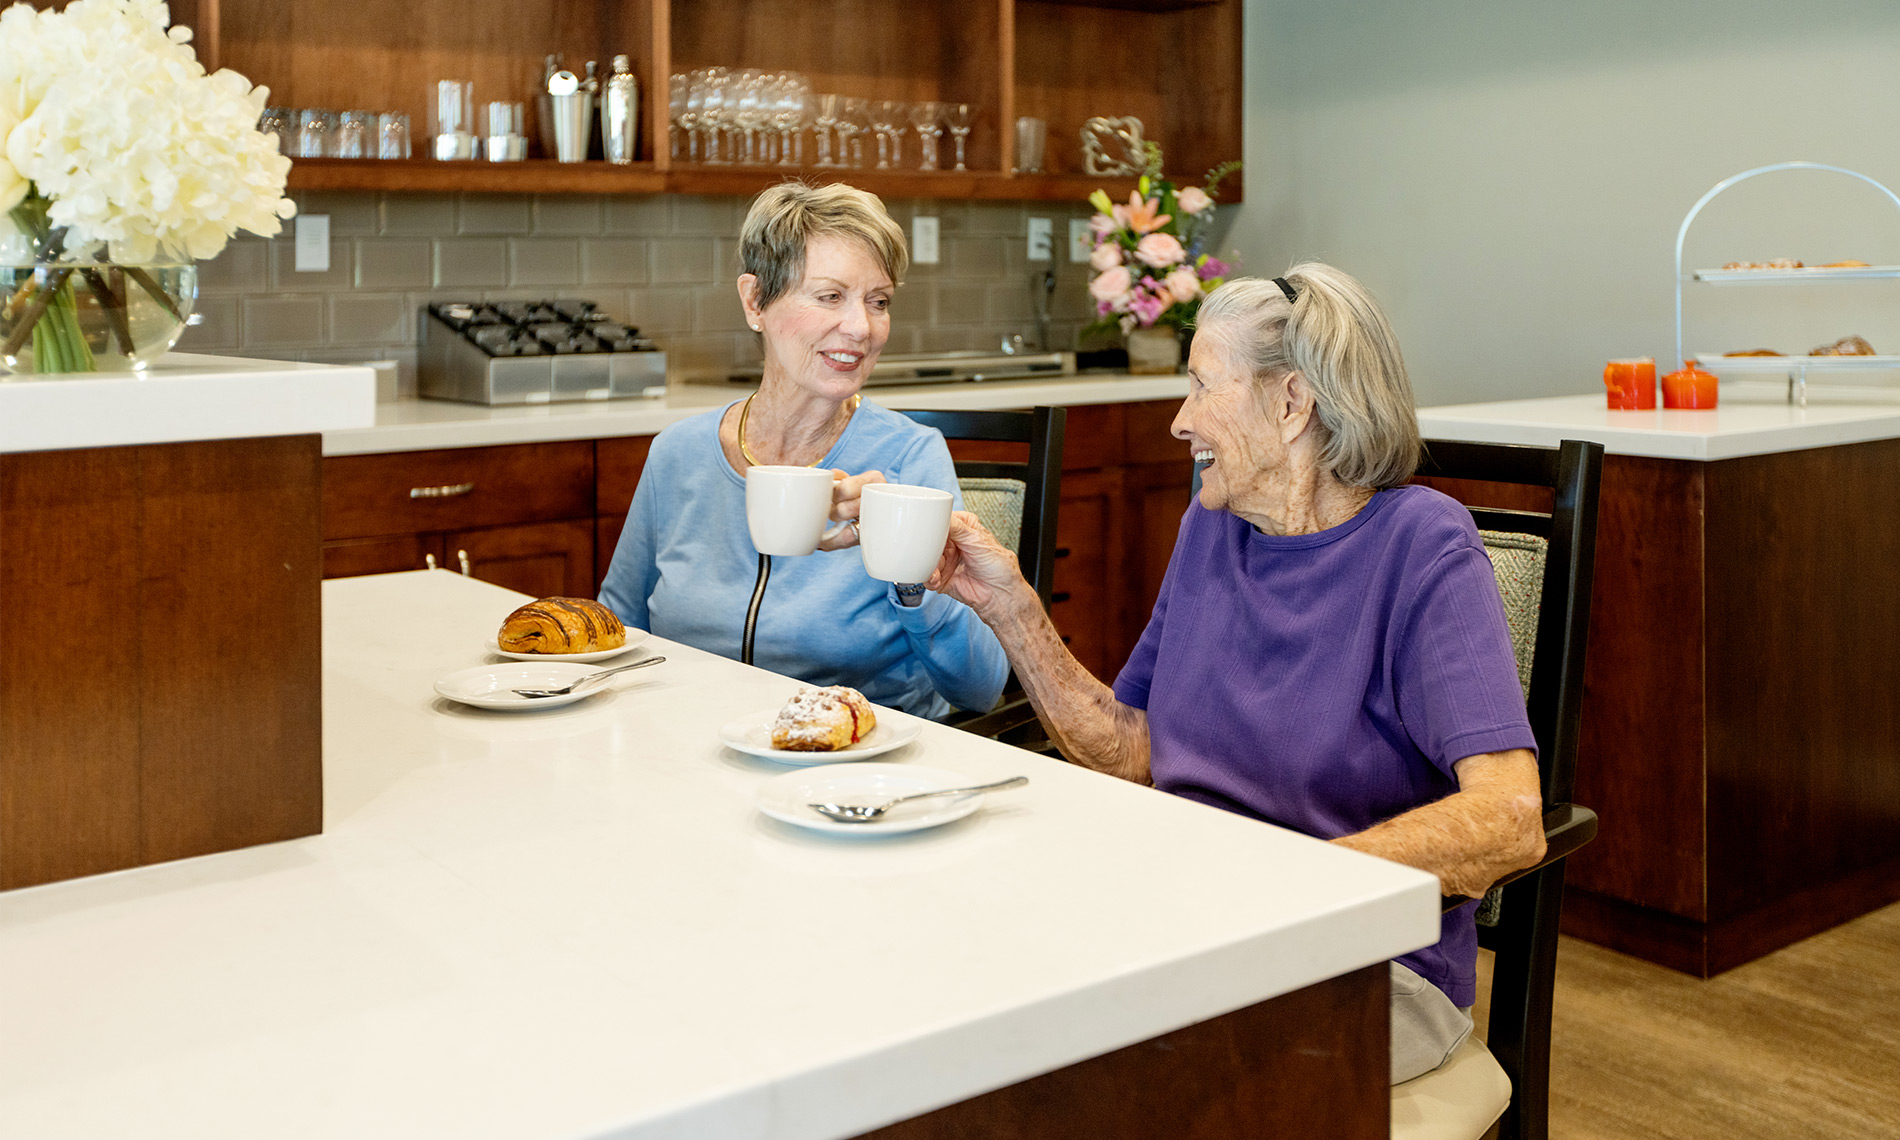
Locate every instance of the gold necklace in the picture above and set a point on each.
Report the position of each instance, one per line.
(745, 410)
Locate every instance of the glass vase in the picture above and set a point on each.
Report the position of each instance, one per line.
(64, 315)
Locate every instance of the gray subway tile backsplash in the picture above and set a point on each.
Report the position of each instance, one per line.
(664, 263)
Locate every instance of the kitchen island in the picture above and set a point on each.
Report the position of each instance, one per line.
(1741, 730)
(575, 923)
(159, 590)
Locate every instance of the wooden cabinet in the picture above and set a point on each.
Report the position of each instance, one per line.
(1174, 65)
(522, 515)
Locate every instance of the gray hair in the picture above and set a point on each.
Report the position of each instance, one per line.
(1336, 336)
(785, 218)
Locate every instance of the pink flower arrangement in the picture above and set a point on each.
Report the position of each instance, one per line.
(1148, 262)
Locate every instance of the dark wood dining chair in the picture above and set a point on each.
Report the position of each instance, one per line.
(1544, 563)
(1017, 500)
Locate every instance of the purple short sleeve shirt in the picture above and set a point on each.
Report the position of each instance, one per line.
(1325, 682)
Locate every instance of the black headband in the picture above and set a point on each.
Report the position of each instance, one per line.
(1291, 295)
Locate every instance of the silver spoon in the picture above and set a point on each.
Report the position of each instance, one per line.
(587, 680)
(850, 813)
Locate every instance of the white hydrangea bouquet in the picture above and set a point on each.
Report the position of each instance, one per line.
(121, 162)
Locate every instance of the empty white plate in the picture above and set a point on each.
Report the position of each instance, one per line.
(752, 734)
(634, 638)
(786, 797)
(492, 686)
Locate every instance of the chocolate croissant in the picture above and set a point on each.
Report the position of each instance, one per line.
(562, 625)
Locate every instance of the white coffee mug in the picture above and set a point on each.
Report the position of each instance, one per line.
(786, 508)
(902, 530)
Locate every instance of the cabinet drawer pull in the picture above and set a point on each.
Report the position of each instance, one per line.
(1062, 552)
(445, 492)
(467, 570)
(1058, 596)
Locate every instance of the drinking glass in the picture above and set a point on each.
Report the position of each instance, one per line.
(926, 119)
(855, 120)
(793, 116)
(715, 112)
(748, 87)
(692, 115)
(883, 112)
(351, 139)
(276, 121)
(392, 135)
(677, 89)
(959, 117)
(830, 110)
(1032, 137)
(313, 130)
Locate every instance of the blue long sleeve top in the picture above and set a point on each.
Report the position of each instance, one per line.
(685, 569)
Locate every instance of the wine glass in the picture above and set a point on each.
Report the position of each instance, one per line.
(897, 115)
(926, 120)
(715, 115)
(853, 123)
(958, 117)
(883, 114)
(794, 115)
(677, 89)
(749, 88)
(830, 107)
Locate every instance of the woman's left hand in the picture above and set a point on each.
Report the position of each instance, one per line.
(847, 499)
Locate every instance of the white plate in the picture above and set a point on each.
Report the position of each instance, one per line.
(634, 638)
(492, 686)
(786, 797)
(752, 734)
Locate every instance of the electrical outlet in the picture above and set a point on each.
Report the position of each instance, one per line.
(1041, 239)
(924, 248)
(1080, 245)
(313, 243)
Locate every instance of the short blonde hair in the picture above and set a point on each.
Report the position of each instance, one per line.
(1336, 336)
(785, 218)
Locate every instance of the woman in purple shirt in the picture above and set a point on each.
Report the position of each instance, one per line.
(1329, 651)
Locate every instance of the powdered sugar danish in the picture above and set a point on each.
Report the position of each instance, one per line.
(823, 720)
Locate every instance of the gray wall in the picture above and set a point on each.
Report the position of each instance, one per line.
(666, 263)
(1509, 175)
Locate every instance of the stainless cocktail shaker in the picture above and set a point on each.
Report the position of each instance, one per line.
(620, 112)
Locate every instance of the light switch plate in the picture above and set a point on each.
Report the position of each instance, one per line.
(1041, 239)
(313, 243)
(1079, 244)
(924, 249)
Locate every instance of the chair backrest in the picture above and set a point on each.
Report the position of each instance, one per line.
(1017, 501)
(1545, 565)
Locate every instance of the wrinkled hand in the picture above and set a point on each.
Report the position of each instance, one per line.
(976, 569)
(847, 500)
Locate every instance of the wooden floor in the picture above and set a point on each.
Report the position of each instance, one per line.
(1802, 1043)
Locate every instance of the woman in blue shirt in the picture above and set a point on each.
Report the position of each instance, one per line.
(821, 268)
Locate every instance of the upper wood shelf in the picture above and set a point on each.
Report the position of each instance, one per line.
(541, 177)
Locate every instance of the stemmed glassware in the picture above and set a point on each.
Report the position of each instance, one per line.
(715, 113)
(854, 122)
(959, 117)
(748, 87)
(830, 107)
(884, 114)
(925, 119)
(678, 88)
(794, 115)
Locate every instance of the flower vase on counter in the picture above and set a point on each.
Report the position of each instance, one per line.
(1150, 269)
(111, 192)
(65, 314)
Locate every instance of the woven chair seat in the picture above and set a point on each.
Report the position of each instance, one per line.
(999, 504)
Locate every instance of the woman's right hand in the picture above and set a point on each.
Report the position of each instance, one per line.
(977, 570)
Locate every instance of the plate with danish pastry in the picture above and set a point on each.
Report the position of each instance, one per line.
(821, 725)
(576, 630)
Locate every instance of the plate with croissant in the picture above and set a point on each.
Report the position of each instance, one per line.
(575, 630)
(821, 725)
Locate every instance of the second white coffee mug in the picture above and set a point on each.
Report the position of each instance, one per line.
(902, 530)
(786, 508)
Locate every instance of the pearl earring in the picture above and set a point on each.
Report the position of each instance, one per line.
(755, 328)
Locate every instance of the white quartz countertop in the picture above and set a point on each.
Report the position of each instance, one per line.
(183, 397)
(423, 425)
(1750, 418)
(574, 923)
